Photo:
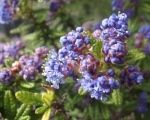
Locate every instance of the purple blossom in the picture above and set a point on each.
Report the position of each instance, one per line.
(126, 6)
(114, 30)
(41, 52)
(145, 31)
(142, 103)
(7, 10)
(54, 5)
(30, 65)
(131, 75)
(89, 64)
(99, 88)
(56, 70)
(114, 52)
(12, 50)
(74, 43)
(6, 76)
(117, 4)
(28, 72)
(53, 70)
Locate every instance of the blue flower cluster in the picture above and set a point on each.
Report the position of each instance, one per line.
(12, 50)
(75, 58)
(131, 75)
(126, 6)
(6, 76)
(65, 63)
(55, 5)
(75, 43)
(53, 70)
(101, 86)
(142, 102)
(7, 10)
(88, 64)
(30, 65)
(114, 30)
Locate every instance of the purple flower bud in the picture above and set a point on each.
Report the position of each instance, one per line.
(89, 64)
(99, 88)
(79, 29)
(142, 103)
(7, 10)
(131, 75)
(54, 5)
(41, 52)
(145, 31)
(6, 76)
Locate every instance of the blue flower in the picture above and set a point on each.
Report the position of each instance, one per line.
(114, 31)
(142, 103)
(6, 76)
(53, 70)
(145, 31)
(131, 75)
(74, 43)
(7, 10)
(99, 88)
(126, 6)
(89, 64)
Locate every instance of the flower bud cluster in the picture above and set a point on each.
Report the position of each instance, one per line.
(10, 50)
(114, 31)
(7, 10)
(131, 75)
(29, 65)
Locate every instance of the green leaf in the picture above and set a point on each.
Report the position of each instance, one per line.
(96, 49)
(28, 85)
(29, 97)
(25, 118)
(46, 115)
(81, 91)
(135, 55)
(23, 110)
(48, 97)
(9, 104)
(117, 98)
(105, 112)
(144, 87)
(41, 109)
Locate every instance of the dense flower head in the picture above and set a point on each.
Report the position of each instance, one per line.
(7, 10)
(142, 102)
(126, 6)
(114, 31)
(53, 70)
(55, 5)
(114, 52)
(41, 52)
(70, 59)
(6, 76)
(131, 75)
(115, 27)
(74, 43)
(99, 87)
(88, 64)
(29, 65)
(97, 33)
(12, 50)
